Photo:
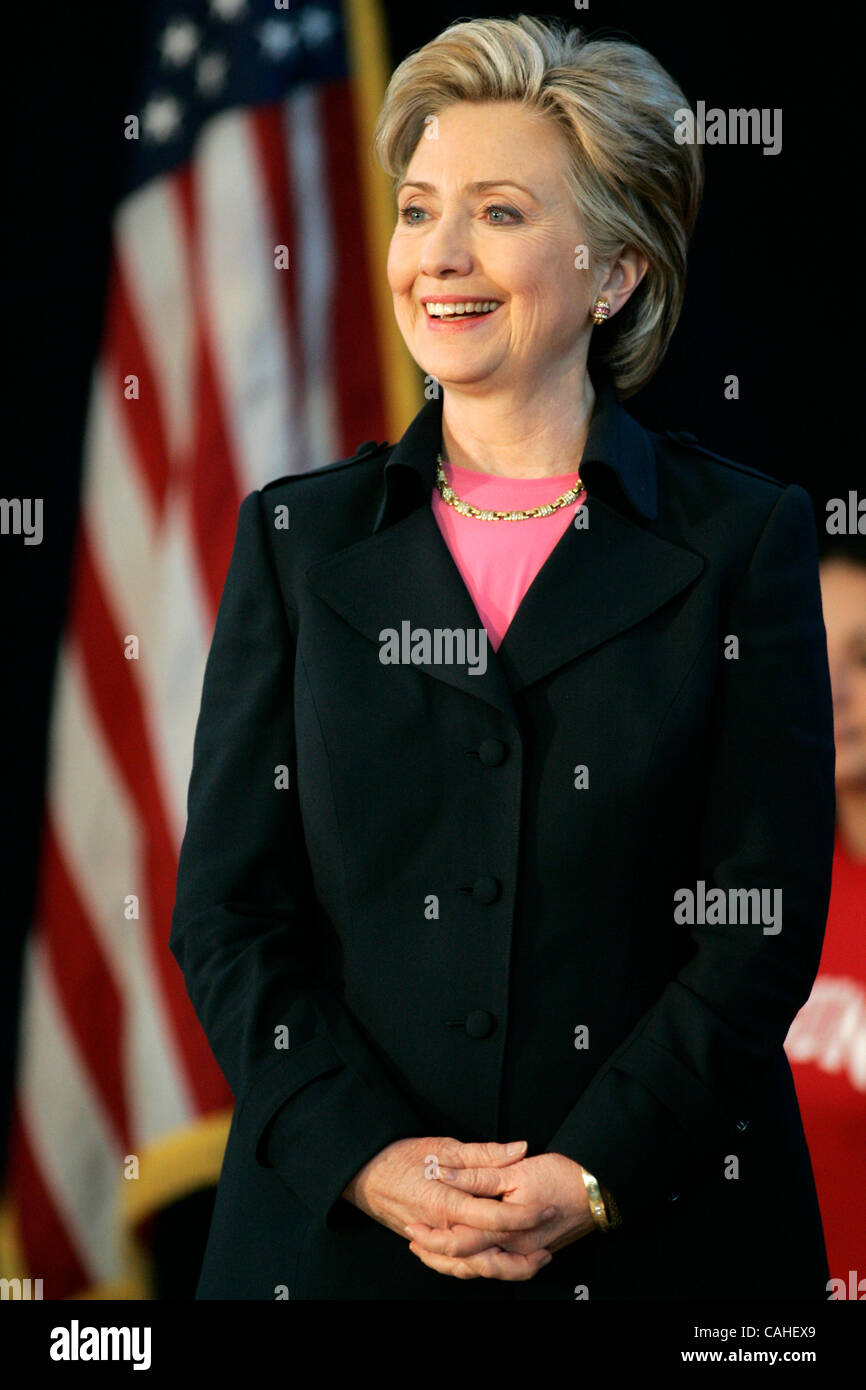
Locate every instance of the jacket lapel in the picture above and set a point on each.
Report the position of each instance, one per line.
(406, 573)
(595, 584)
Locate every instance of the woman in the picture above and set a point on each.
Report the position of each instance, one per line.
(511, 814)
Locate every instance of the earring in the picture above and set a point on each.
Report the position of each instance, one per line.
(600, 310)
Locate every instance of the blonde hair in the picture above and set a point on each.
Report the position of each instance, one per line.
(632, 183)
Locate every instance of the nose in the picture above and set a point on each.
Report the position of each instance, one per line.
(445, 248)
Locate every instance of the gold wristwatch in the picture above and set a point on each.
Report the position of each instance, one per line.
(605, 1212)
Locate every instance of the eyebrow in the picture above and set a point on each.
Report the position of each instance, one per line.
(477, 187)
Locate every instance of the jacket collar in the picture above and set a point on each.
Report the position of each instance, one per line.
(618, 461)
(597, 583)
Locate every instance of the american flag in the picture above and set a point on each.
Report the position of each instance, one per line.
(246, 272)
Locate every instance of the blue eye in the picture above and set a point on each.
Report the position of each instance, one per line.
(405, 214)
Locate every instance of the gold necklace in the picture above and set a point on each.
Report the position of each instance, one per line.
(466, 508)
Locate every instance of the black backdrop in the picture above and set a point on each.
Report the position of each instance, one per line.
(773, 297)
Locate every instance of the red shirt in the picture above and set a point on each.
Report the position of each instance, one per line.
(826, 1047)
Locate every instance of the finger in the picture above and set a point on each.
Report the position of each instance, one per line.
(502, 1264)
(460, 1269)
(490, 1264)
(454, 1241)
(461, 1241)
(484, 1182)
(488, 1214)
(454, 1154)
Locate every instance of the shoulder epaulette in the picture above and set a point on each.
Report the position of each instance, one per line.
(690, 441)
(365, 450)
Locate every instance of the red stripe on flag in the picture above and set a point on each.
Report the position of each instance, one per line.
(216, 497)
(117, 701)
(124, 353)
(267, 126)
(49, 1252)
(91, 1002)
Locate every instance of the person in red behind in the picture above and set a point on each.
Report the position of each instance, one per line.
(826, 1044)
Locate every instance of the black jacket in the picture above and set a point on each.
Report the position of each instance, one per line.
(398, 864)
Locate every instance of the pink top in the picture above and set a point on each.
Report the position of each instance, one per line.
(499, 559)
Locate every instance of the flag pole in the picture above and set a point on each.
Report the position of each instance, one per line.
(369, 65)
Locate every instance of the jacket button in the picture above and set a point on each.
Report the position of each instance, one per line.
(480, 1024)
(492, 752)
(367, 447)
(485, 890)
(673, 1196)
(742, 1124)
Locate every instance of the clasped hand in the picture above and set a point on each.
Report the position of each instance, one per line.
(479, 1210)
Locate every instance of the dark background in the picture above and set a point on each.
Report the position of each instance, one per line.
(773, 297)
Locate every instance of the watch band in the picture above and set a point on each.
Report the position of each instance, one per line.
(605, 1212)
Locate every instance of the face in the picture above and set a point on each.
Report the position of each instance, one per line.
(843, 596)
(511, 241)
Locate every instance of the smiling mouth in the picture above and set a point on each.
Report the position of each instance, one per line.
(464, 309)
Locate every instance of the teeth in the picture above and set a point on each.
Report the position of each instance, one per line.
(468, 306)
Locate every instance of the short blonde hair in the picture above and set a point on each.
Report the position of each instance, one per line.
(633, 184)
